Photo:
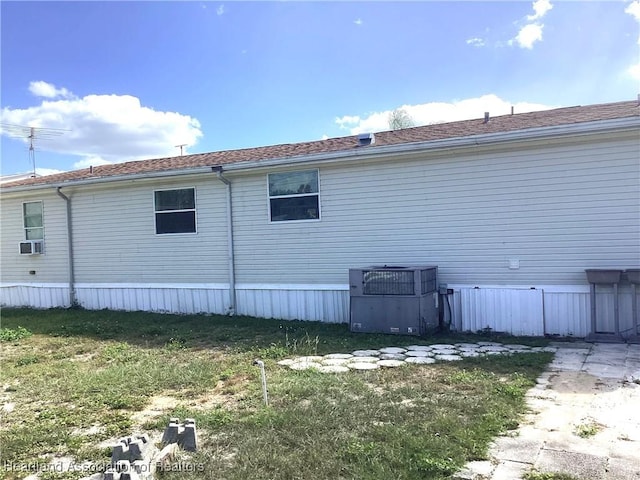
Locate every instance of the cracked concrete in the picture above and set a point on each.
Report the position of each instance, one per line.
(584, 420)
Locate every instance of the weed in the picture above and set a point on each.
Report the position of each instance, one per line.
(27, 360)
(587, 429)
(14, 334)
(547, 476)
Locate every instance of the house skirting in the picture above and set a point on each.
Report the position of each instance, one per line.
(541, 310)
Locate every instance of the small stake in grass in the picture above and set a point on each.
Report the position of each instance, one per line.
(260, 363)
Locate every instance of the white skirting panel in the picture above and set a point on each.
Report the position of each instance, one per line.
(289, 303)
(34, 295)
(554, 310)
(519, 312)
(154, 298)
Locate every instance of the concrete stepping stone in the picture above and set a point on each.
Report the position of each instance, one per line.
(419, 353)
(304, 365)
(337, 356)
(469, 349)
(492, 348)
(420, 360)
(442, 346)
(497, 344)
(515, 346)
(392, 356)
(493, 352)
(308, 358)
(390, 363)
(448, 358)
(550, 349)
(469, 354)
(286, 362)
(366, 353)
(392, 350)
(419, 348)
(333, 369)
(466, 345)
(446, 352)
(334, 361)
(363, 359)
(363, 366)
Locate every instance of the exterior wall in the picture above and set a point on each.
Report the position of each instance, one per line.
(551, 210)
(555, 209)
(115, 239)
(53, 266)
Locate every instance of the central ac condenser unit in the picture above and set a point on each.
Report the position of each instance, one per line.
(394, 299)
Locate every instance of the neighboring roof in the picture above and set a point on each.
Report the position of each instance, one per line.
(465, 128)
(17, 176)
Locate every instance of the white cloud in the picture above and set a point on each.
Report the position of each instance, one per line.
(105, 128)
(532, 32)
(633, 9)
(220, 10)
(540, 7)
(475, 42)
(439, 112)
(48, 90)
(358, 21)
(528, 35)
(634, 71)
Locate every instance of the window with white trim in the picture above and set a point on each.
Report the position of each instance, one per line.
(294, 196)
(33, 220)
(175, 211)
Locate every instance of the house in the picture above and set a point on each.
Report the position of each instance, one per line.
(512, 209)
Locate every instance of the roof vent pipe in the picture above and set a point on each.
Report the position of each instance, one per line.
(365, 139)
(486, 117)
(638, 100)
(511, 109)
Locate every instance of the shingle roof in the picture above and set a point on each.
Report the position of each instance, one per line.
(465, 128)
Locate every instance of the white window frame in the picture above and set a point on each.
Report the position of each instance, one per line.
(194, 210)
(24, 226)
(270, 197)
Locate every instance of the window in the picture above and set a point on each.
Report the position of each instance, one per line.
(33, 221)
(294, 196)
(175, 211)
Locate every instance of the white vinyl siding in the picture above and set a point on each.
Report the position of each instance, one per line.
(112, 244)
(52, 267)
(556, 208)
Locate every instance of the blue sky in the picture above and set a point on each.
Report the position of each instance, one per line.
(121, 81)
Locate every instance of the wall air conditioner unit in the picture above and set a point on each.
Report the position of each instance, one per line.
(31, 247)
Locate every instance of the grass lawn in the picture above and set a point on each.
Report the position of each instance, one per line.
(74, 381)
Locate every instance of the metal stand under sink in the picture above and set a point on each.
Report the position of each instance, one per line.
(604, 277)
(633, 275)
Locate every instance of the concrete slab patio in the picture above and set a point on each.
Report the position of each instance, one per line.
(584, 420)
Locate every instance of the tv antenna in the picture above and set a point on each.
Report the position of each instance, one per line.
(181, 146)
(32, 136)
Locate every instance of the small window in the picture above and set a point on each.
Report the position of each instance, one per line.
(175, 211)
(294, 196)
(33, 221)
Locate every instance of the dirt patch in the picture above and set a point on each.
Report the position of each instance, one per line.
(226, 393)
